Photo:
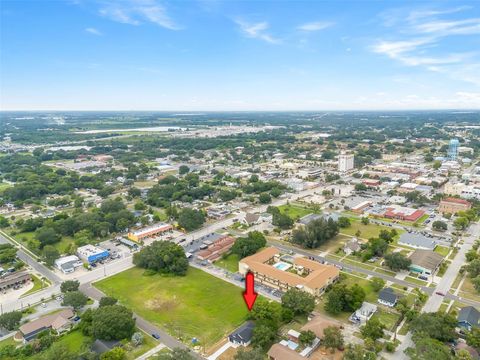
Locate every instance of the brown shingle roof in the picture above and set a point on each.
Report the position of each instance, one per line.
(426, 258)
(280, 352)
(46, 321)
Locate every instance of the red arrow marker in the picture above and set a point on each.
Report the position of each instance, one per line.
(249, 295)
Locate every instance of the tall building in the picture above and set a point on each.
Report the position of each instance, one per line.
(453, 149)
(345, 162)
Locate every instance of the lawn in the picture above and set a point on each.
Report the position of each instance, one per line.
(74, 340)
(196, 305)
(366, 231)
(387, 318)
(230, 262)
(4, 186)
(295, 211)
(442, 250)
(37, 285)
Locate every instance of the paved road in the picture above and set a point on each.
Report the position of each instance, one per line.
(141, 323)
(31, 261)
(445, 284)
(434, 301)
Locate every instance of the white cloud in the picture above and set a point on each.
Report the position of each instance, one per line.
(257, 31)
(93, 31)
(135, 12)
(421, 43)
(315, 26)
(448, 28)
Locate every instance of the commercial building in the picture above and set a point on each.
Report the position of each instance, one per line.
(403, 213)
(417, 241)
(453, 205)
(14, 279)
(91, 254)
(345, 162)
(68, 264)
(146, 232)
(216, 248)
(425, 262)
(270, 268)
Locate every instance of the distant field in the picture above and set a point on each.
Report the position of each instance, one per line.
(196, 305)
(295, 211)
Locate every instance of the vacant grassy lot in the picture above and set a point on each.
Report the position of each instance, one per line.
(366, 231)
(442, 250)
(387, 317)
(196, 305)
(295, 211)
(230, 262)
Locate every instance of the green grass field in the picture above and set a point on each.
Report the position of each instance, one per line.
(37, 285)
(196, 305)
(442, 250)
(366, 231)
(230, 262)
(295, 211)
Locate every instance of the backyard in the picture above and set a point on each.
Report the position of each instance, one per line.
(197, 305)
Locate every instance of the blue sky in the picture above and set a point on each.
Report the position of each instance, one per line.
(239, 55)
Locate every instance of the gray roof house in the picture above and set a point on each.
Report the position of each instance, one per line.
(468, 317)
(417, 241)
(243, 335)
(387, 297)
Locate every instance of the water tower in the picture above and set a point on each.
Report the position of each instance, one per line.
(453, 149)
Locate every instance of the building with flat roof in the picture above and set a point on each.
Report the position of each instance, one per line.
(14, 279)
(453, 205)
(269, 268)
(149, 231)
(403, 213)
(91, 253)
(68, 264)
(346, 162)
(417, 241)
(425, 261)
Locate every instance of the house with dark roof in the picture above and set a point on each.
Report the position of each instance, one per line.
(243, 335)
(468, 317)
(387, 297)
(102, 346)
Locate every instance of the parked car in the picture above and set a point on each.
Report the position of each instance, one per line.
(440, 293)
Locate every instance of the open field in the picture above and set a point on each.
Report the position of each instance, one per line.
(442, 250)
(295, 211)
(196, 305)
(366, 231)
(230, 262)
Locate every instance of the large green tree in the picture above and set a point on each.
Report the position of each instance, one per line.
(300, 302)
(113, 322)
(162, 256)
(10, 320)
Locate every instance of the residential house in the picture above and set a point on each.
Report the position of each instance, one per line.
(59, 322)
(468, 317)
(362, 315)
(387, 297)
(243, 335)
